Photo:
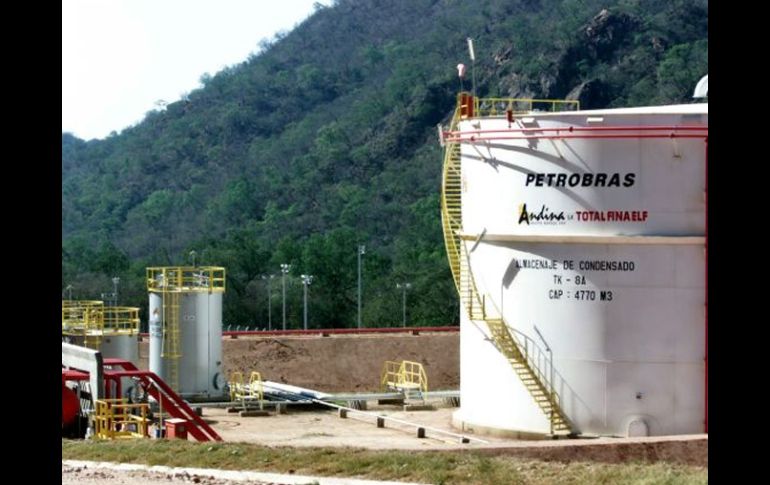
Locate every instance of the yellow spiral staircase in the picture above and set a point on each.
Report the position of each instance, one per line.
(476, 304)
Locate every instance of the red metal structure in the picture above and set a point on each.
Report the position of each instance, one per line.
(154, 386)
(333, 331)
(578, 132)
(70, 406)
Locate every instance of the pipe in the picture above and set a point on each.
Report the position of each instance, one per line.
(570, 137)
(334, 331)
(366, 413)
(585, 128)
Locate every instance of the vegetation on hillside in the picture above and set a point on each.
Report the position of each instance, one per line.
(326, 139)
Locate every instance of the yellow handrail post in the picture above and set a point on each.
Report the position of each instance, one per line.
(236, 385)
(255, 388)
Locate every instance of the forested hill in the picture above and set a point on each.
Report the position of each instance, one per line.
(326, 139)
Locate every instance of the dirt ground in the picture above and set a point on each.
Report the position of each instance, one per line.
(326, 428)
(339, 363)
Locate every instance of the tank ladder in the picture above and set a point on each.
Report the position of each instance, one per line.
(171, 348)
(525, 367)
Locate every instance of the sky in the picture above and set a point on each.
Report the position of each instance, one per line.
(120, 58)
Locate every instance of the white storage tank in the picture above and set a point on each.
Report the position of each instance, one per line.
(121, 340)
(121, 333)
(578, 242)
(112, 330)
(121, 347)
(185, 328)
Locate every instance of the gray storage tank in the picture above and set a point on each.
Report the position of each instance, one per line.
(186, 328)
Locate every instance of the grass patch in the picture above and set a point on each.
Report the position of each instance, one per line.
(439, 467)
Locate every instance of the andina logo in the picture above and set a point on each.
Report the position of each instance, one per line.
(545, 216)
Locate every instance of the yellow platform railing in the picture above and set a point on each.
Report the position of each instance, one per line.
(83, 319)
(92, 321)
(500, 106)
(119, 419)
(404, 376)
(121, 320)
(186, 279)
(254, 391)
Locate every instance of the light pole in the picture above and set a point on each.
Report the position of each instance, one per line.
(403, 287)
(192, 256)
(307, 279)
(473, 66)
(284, 271)
(68, 289)
(269, 279)
(361, 251)
(115, 282)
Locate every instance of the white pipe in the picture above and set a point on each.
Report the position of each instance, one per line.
(365, 413)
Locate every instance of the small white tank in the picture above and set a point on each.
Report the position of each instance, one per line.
(113, 330)
(121, 347)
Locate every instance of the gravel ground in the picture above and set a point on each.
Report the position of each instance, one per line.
(100, 473)
(104, 476)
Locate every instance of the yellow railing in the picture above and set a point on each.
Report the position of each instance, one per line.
(92, 321)
(83, 319)
(404, 376)
(77, 316)
(479, 306)
(236, 385)
(390, 374)
(81, 303)
(413, 376)
(186, 279)
(500, 106)
(119, 419)
(254, 391)
(121, 320)
(451, 200)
